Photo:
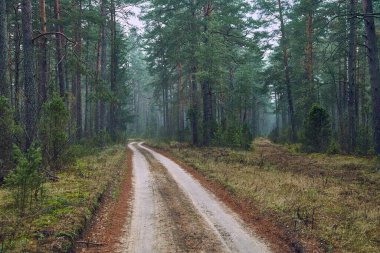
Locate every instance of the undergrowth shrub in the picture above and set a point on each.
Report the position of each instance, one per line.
(6, 133)
(364, 141)
(280, 136)
(233, 136)
(102, 139)
(26, 181)
(53, 134)
(317, 130)
(333, 148)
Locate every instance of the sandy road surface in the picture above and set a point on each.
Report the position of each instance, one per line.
(172, 212)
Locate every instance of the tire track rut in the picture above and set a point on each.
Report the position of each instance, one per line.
(172, 212)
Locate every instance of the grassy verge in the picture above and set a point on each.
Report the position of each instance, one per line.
(331, 200)
(70, 202)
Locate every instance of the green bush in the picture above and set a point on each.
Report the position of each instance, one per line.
(317, 130)
(274, 135)
(6, 134)
(364, 141)
(233, 136)
(282, 135)
(26, 181)
(53, 134)
(246, 137)
(102, 139)
(333, 148)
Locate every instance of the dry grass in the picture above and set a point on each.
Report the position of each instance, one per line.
(334, 199)
(70, 203)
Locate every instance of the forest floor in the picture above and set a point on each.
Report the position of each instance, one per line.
(177, 198)
(55, 224)
(311, 202)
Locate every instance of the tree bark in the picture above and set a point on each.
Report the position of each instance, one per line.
(284, 44)
(97, 82)
(113, 106)
(58, 46)
(4, 84)
(43, 67)
(103, 65)
(17, 61)
(78, 75)
(352, 44)
(373, 61)
(30, 88)
(309, 54)
(194, 112)
(181, 118)
(207, 89)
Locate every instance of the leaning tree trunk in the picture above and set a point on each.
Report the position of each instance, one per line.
(30, 88)
(4, 86)
(373, 61)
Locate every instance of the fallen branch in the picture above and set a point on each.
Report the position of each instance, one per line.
(88, 243)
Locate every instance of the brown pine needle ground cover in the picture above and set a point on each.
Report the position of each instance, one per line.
(333, 200)
(55, 224)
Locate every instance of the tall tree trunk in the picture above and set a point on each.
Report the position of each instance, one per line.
(373, 61)
(58, 46)
(78, 75)
(309, 54)
(88, 104)
(277, 108)
(284, 44)
(352, 75)
(97, 83)
(194, 112)
(4, 85)
(207, 113)
(17, 61)
(103, 64)
(43, 67)
(181, 118)
(206, 88)
(113, 107)
(30, 88)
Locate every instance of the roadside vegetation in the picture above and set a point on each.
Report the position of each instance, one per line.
(325, 201)
(53, 221)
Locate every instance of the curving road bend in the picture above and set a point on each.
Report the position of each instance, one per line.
(172, 212)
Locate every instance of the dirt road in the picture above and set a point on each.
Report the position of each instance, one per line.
(172, 212)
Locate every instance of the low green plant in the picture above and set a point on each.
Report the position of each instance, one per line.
(102, 139)
(233, 136)
(333, 148)
(53, 132)
(26, 181)
(317, 130)
(6, 133)
(364, 142)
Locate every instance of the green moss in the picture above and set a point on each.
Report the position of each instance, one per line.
(70, 203)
